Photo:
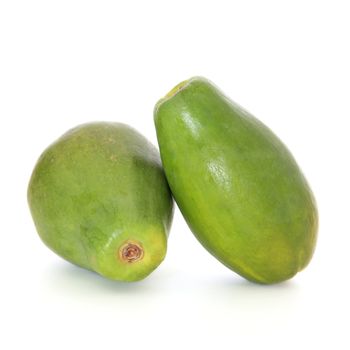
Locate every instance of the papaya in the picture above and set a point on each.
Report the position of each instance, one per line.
(237, 185)
(99, 199)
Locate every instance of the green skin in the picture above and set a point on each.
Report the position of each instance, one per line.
(99, 199)
(238, 187)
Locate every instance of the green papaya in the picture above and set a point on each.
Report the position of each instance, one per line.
(236, 184)
(99, 199)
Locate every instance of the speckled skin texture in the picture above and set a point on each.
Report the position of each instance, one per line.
(98, 187)
(238, 187)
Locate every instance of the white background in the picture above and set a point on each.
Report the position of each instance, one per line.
(63, 63)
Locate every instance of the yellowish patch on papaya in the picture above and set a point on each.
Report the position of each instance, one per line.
(176, 89)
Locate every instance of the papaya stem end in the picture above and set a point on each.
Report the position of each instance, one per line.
(176, 89)
(130, 252)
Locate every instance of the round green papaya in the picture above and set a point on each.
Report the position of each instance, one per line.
(237, 185)
(99, 199)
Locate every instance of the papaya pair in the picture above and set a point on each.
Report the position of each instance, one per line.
(100, 198)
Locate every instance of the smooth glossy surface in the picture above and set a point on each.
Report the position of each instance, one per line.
(238, 187)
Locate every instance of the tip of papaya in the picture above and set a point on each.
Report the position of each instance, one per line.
(131, 252)
(176, 89)
(172, 93)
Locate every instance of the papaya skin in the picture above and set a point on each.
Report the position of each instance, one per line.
(99, 199)
(237, 185)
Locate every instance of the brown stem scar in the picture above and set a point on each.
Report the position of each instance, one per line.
(130, 252)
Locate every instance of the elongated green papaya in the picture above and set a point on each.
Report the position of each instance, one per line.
(238, 187)
(99, 199)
